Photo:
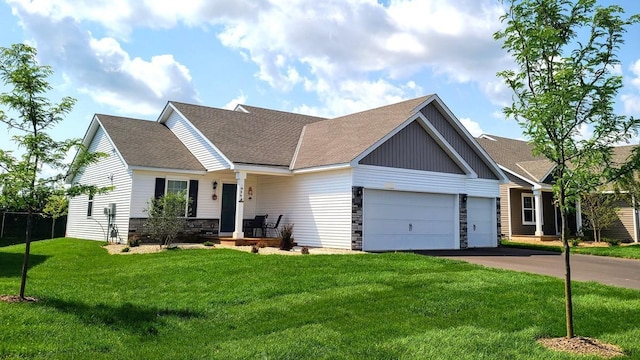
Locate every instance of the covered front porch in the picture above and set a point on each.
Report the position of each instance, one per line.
(249, 209)
(533, 214)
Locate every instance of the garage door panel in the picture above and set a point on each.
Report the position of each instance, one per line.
(388, 227)
(480, 222)
(432, 243)
(394, 220)
(399, 212)
(410, 214)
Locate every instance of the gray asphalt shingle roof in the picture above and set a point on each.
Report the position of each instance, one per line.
(342, 139)
(261, 136)
(258, 136)
(148, 144)
(517, 156)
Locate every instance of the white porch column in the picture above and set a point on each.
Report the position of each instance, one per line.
(538, 208)
(578, 217)
(635, 218)
(240, 177)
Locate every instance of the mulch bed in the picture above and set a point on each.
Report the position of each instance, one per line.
(583, 346)
(16, 298)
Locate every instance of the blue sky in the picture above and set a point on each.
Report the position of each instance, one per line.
(327, 58)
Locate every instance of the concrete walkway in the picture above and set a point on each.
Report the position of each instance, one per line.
(605, 270)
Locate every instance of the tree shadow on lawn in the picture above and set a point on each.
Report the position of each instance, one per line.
(444, 304)
(11, 263)
(9, 241)
(136, 319)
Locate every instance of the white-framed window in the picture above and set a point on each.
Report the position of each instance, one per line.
(177, 186)
(528, 209)
(90, 206)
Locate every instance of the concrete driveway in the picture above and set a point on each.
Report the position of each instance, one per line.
(605, 270)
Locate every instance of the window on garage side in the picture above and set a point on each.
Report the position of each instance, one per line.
(528, 209)
(179, 186)
(90, 206)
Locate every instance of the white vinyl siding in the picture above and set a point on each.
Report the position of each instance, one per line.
(100, 174)
(317, 204)
(144, 187)
(208, 156)
(384, 178)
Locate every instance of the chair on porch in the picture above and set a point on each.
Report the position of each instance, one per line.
(259, 222)
(273, 226)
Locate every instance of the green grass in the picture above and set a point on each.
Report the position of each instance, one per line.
(224, 304)
(628, 252)
(507, 243)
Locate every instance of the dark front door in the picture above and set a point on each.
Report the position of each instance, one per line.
(228, 213)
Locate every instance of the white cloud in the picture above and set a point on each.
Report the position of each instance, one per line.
(353, 96)
(583, 132)
(631, 104)
(101, 68)
(240, 99)
(631, 99)
(472, 126)
(453, 39)
(312, 44)
(635, 69)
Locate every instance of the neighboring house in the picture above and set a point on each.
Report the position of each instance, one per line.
(403, 176)
(527, 199)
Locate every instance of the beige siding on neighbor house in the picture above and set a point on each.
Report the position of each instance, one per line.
(317, 204)
(461, 146)
(412, 148)
(95, 227)
(623, 228)
(504, 209)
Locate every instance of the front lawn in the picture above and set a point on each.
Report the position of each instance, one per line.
(221, 304)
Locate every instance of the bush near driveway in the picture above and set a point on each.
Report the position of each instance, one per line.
(222, 304)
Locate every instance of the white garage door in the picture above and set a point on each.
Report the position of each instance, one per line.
(481, 229)
(396, 220)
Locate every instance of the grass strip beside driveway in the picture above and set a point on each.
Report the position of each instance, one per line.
(626, 251)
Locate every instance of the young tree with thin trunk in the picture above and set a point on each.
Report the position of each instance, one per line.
(565, 52)
(600, 211)
(57, 206)
(166, 217)
(31, 114)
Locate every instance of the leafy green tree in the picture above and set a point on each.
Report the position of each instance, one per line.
(57, 206)
(600, 210)
(166, 217)
(564, 52)
(31, 114)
